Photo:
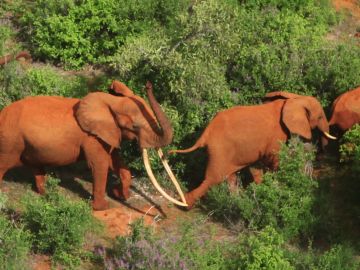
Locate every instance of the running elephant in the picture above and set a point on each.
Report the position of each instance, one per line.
(240, 136)
(54, 131)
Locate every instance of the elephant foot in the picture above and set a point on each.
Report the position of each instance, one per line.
(121, 194)
(99, 205)
(41, 190)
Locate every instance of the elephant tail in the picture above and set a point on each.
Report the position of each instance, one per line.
(201, 142)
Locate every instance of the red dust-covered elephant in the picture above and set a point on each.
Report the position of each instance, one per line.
(346, 110)
(54, 131)
(240, 136)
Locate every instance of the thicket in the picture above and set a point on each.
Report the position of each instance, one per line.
(15, 240)
(58, 225)
(194, 248)
(284, 200)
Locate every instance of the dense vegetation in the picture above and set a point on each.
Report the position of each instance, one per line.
(202, 57)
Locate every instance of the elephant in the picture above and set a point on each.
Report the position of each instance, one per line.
(44, 131)
(243, 135)
(346, 111)
(7, 58)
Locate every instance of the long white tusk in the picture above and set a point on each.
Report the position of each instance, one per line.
(155, 183)
(171, 175)
(327, 135)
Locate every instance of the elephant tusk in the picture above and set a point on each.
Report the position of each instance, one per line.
(155, 183)
(327, 135)
(171, 174)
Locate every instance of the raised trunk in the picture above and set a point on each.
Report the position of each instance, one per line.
(165, 132)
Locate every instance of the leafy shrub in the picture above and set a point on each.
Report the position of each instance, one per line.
(263, 250)
(17, 83)
(3, 200)
(143, 249)
(284, 199)
(59, 225)
(15, 245)
(15, 241)
(336, 258)
(79, 32)
(5, 34)
(350, 145)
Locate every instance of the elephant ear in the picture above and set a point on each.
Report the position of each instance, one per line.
(94, 116)
(121, 89)
(280, 95)
(295, 115)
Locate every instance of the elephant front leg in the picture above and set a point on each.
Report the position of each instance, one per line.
(123, 172)
(98, 160)
(99, 186)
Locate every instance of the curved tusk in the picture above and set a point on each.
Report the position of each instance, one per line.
(155, 183)
(171, 174)
(327, 135)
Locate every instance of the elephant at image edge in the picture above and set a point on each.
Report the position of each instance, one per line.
(346, 111)
(240, 136)
(54, 131)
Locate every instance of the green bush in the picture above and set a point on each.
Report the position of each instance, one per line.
(143, 249)
(17, 83)
(15, 241)
(89, 31)
(284, 200)
(59, 225)
(263, 250)
(350, 145)
(338, 257)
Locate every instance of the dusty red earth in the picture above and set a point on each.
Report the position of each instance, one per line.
(352, 6)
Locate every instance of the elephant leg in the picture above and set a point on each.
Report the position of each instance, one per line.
(40, 180)
(256, 174)
(216, 172)
(98, 160)
(123, 172)
(232, 182)
(7, 162)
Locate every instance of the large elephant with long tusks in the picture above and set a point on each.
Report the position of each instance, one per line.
(54, 131)
(239, 137)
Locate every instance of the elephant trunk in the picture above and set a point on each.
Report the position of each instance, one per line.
(164, 134)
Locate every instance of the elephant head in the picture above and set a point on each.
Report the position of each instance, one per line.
(126, 116)
(112, 118)
(301, 114)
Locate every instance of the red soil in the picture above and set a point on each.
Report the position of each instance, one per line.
(353, 6)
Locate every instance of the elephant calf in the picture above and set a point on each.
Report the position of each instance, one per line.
(240, 136)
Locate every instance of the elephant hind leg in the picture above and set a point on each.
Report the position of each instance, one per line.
(232, 182)
(40, 180)
(123, 172)
(215, 174)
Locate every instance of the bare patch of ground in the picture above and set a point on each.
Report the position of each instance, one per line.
(349, 27)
